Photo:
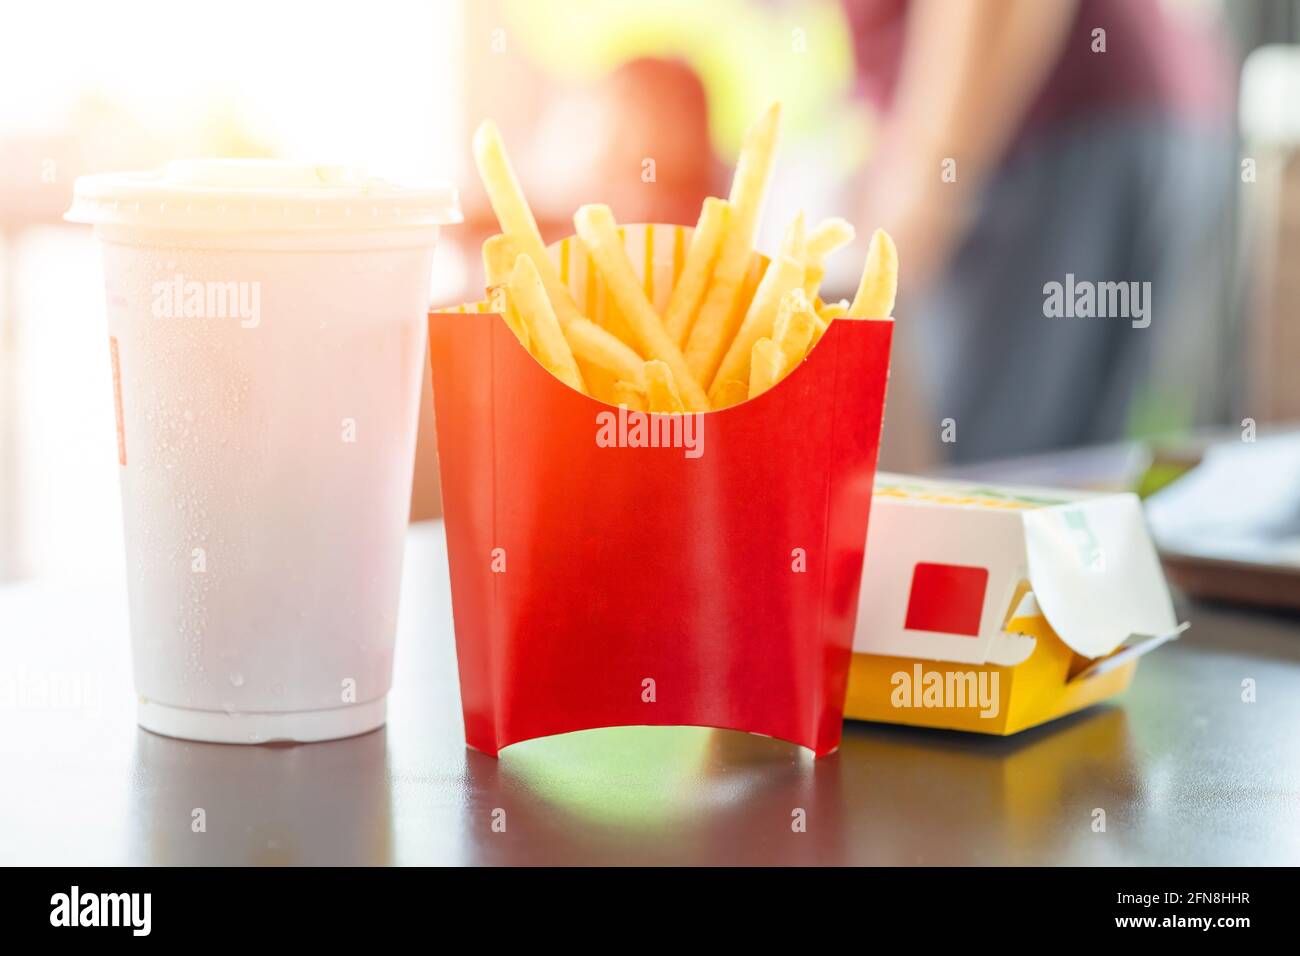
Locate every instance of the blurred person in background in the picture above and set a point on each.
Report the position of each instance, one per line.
(1092, 138)
(1016, 143)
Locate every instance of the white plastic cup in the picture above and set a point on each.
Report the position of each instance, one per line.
(267, 331)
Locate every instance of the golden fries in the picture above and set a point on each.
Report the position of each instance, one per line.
(661, 390)
(879, 285)
(826, 237)
(599, 233)
(835, 310)
(765, 367)
(812, 279)
(516, 218)
(528, 297)
(793, 330)
(735, 324)
(730, 392)
(714, 329)
(782, 275)
(499, 255)
(694, 280)
(591, 343)
(500, 301)
(794, 244)
(502, 185)
(826, 314)
(820, 326)
(627, 394)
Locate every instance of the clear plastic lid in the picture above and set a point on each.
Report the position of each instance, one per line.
(221, 195)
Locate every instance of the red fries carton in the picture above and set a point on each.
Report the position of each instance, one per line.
(612, 567)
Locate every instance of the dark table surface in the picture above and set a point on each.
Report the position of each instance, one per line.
(1185, 770)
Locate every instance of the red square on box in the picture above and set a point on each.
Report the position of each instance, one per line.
(948, 598)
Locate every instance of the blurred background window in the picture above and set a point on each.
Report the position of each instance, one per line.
(94, 87)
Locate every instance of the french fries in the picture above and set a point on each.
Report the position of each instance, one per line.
(661, 390)
(499, 255)
(599, 233)
(879, 285)
(694, 281)
(630, 396)
(835, 310)
(586, 341)
(794, 243)
(516, 217)
(528, 298)
(592, 344)
(827, 237)
(782, 275)
(731, 392)
(820, 326)
(765, 366)
(734, 324)
(793, 331)
(713, 329)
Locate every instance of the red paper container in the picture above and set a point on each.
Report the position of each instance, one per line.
(714, 583)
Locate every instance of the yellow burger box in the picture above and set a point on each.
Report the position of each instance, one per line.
(994, 609)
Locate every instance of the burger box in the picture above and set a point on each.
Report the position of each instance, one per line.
(995, 609)
(612, 567)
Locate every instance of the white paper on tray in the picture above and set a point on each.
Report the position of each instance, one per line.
(1095, 573)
